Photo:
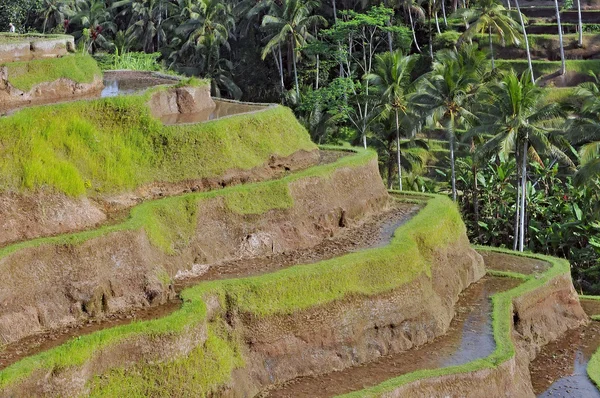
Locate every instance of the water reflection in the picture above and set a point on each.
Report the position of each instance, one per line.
(221, 109)
(575, 385)
(125, 84)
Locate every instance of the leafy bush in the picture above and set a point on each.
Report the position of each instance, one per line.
(130, 61)
(445, 40)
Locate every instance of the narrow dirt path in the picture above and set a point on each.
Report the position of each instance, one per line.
(469, 337)
(375, 231)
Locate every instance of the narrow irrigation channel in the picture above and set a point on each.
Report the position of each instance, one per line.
(375, 231)
(560, 369)
(470, 337)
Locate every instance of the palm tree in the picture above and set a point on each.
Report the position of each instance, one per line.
(585, 131)
(563, 68)
(291, 24)
(92, 16)
(522, 20)
(580, 24)
(146, 23)
(391, 79)
(445, 94)
(201, 38)
(412, 7)
(491, 17)
(517, 124)
(53, 13)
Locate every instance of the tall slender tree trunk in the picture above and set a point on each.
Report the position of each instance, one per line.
(334, 11)
(390, 165)
(563, 68)
(523, 196)
(318, 65)
(526, 40)
(518, 201)
(429, 30)
(491, 46)
(398, 153)
(412, 25)
(388, 23)
(437, 23)
(444, 12)
(580, 24)
(475, 199)
(295, 69)
(451, 139)
(508, 4)
(281, 64)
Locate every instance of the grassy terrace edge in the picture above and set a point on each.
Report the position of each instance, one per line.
(593, 369)
(502, 325)
(113, 145)
(367, 272)
(25, 75)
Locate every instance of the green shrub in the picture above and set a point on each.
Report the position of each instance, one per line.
(445, 40)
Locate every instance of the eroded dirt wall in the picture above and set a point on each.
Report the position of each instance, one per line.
(53, 285)
(540, 316)
(45, 93)
(25, 216)
(29, 48)
(359, 329)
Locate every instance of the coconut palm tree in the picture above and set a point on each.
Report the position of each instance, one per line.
(411, 7)
(199, 42)
(391, 79)
(517, 123)
(491, 17)
(527, 50)
(563, 68)
(291, 24)
(585, 131)
(53, 13)
(580, 24)
(146, 29)
(445, 95)
(94, 17)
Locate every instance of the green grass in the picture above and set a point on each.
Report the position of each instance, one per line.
(130, 61)
(502, 326)
(114, 144)
(10, 38)
(366, 272)
(25, 75)
(541, 68)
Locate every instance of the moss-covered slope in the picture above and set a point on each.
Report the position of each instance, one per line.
(113, 145)
(25, 75)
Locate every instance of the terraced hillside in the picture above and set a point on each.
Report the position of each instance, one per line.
(234, 257)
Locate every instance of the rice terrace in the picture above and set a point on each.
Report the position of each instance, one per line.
(300, 198)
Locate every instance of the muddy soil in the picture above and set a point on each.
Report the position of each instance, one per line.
(130, 82)
(560, 368)
(469, 337)
(376, 230)
(47, 214)
(510, 263)
(591, 307)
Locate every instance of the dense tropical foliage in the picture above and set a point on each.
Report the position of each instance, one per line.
(406, 78)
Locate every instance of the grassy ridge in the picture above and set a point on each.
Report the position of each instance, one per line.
(367, 272)
(541, 68)
(25, 75)
(114, 144)
(502, 326)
